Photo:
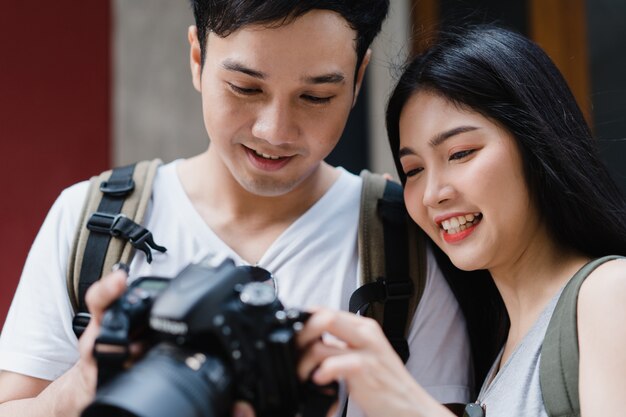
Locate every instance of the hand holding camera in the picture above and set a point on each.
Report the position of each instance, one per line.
(217, 335)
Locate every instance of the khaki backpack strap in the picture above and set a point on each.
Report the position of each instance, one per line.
(133, 201)
(558, 370)
(392, 253)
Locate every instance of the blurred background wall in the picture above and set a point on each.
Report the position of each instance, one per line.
(88, 85)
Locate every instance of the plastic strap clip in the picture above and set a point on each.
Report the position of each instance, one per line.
(118, 225)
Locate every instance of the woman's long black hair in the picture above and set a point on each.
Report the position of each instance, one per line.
(509, 79)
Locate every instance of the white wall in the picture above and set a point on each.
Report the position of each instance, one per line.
(156, 111)
(389, 51)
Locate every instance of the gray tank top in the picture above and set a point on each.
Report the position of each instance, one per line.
(515, 389)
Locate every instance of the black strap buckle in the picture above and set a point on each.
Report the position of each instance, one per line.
(80, 323)
(118, 225)
(104, 223)
(398, 290)
(117, 187)
(110, 358)
(380, 291)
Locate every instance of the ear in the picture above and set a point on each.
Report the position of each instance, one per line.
(195, 57)
(360, 74)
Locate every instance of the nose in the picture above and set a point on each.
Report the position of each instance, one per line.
(438, 190)
(276, 123)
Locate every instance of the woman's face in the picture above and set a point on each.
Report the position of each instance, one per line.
(465, 184)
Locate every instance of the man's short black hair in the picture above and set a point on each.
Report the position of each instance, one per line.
(224, 17)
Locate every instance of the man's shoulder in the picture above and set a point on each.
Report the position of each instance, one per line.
(71, 200)
(76, 191)
(348, 181)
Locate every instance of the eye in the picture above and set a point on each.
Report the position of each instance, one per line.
(461, 154)
(316, 100)
(242, 90)
(413, 172)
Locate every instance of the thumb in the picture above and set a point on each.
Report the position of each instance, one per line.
(242, 409)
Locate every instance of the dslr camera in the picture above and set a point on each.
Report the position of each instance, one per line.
(216, 334)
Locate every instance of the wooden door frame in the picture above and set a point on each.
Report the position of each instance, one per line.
(558, 26)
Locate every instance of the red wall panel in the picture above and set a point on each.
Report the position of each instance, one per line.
(54, 115)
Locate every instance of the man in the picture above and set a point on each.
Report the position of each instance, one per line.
(278, 80)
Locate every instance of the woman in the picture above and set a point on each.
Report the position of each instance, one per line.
(500, 170)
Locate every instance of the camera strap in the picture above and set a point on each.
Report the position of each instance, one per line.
(109, 363)
(318, 399)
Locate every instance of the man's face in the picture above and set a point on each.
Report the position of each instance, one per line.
(276, 100)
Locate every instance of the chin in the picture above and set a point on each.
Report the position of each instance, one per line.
(267, 187)
(465, 262)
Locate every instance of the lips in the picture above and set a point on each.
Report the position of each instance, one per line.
(457, 227)
(266, 161)
(459, 223)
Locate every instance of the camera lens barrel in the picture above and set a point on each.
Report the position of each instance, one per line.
(169, 381)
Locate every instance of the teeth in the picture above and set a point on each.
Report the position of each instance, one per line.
(459, 223)
(266, 156)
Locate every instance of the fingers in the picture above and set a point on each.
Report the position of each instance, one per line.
(104, 292)
(361, 345)
(343, 367)
(356, 331)
(242, 409)
(324, 364)
(314, 355)
(99, 296)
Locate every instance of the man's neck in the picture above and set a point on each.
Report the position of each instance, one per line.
(248, 223)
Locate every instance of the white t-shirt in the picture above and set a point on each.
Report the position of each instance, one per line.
(314, 261)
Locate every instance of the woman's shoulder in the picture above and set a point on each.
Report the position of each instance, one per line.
(604, 282)
(602, 297)
(602, 340)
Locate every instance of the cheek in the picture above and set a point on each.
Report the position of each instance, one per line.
(325, 126)
(502, 182)
(221, 114)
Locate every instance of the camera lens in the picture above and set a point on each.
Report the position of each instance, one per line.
(169, 381)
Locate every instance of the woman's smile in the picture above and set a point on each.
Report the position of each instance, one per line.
(458, 227)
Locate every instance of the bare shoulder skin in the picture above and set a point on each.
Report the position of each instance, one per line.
(602, 341)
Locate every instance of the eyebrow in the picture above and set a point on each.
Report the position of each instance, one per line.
(438, 139)
(330, 78)
(443, 136)
(235, 66)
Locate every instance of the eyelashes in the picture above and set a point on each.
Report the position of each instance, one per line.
(461, 154)
(243, 91)
(456, 156)
(316, 99)
(413, 172)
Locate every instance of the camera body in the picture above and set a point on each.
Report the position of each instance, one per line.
(217, 335)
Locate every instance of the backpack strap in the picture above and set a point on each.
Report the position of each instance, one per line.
(558, 370)
(392, 253)
(115, 206)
